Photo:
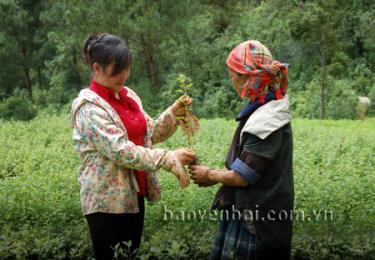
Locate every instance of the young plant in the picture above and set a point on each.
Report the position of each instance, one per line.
(189, 122)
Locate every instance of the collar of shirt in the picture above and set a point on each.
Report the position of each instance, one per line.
(107, 93)
(250, 108)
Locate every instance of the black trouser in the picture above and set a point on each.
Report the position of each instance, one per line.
(107, 230)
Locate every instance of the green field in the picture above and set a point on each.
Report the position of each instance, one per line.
(40, 215)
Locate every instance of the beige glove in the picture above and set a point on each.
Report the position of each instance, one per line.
(174, 162)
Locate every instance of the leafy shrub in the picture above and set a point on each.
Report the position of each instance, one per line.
(147, 93)
(54, 100)
(221, 103)
(40, 215)
(18, 107)
(307, 103)
(217, 100)
(342, 101)
(362, 78)
(172, 90)
(372, 98)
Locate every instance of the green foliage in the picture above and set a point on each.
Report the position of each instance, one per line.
(17, 107)
(146, 92)
(306, 103)
(184, 83)
(221, 103)
(362, 79)
(24, 37)
(176, 86)
(372, 98)
(42, 40)
(54, 99)
(40, 215)
(342, 101)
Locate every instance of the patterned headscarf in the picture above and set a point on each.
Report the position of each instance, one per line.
(266, 74)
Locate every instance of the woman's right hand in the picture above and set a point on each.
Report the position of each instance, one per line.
(182, 157)
(185, 156)
(179, 107)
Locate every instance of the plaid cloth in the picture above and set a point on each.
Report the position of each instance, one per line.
(265, 74)
(233, 241)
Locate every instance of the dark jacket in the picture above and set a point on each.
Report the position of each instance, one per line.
(269, 202)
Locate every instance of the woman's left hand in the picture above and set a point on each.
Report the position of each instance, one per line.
(199, 174)
(179, 107)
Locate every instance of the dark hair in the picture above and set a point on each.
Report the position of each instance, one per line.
(104, 49)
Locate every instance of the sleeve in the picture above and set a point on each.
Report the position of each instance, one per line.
(164, 127)
(267, 147)
(104, 136)
(256, 156)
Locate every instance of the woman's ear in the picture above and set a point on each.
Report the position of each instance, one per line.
(127, 71)
(96, 68)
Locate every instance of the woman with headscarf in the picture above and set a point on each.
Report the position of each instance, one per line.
(257, 192)
(114, 136)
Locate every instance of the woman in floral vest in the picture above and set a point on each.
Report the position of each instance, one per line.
(113, 136)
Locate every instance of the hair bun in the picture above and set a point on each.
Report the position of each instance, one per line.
(90, 41)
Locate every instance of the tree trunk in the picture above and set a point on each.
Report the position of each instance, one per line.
(40, 77)
(152, 69)
(323, 63)
(322, 97)
(323, 84)
(28, 83)
(26, 72)
(76, 70)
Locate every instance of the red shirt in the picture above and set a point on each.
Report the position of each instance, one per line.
(132, 118)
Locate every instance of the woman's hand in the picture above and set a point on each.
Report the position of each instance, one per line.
(200, 175)
(179, 107)
(185, 156)
(182, 157)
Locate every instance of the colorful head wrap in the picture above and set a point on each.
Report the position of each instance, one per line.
(266, 74)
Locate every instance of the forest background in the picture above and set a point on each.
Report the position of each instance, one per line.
(329, 44)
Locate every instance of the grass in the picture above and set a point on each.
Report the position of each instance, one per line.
(40, 215)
